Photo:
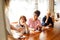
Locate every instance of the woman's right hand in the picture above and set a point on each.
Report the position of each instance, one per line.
(46, 19)
(20, 29)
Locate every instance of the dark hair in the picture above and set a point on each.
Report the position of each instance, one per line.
(23, 17)
(37, 12)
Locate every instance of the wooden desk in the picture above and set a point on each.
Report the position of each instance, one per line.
(50, 34)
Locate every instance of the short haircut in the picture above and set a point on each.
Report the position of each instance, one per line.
(37, 12)
(23, 17)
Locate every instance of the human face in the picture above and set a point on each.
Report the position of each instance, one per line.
(22, 20)
(48, 14)
(35, 17)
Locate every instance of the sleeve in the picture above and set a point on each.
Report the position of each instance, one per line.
(39, 23)
(43, 21)
(52, 22)
(29, 22)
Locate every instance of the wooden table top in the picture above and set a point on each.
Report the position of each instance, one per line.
(49, 34)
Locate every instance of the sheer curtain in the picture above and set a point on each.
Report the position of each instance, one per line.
(20, 7)
(26, 7)
(57, 5)
(57, 8)
(43, 7)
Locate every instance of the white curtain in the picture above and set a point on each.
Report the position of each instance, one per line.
(26, 7)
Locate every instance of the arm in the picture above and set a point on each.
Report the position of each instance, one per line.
(26, 28)
(44, 22)
(38, 25)
(12, 27)
(51, 22)
(29, 22)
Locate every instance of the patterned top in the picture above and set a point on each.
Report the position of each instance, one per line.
(34, 24)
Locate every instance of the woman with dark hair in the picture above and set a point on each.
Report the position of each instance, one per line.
(35, 22)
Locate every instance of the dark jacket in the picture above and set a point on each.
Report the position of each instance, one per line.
(48, 22)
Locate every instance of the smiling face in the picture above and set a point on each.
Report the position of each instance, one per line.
(48, 14)
(36, 14)
(22, 19)
(35, 17)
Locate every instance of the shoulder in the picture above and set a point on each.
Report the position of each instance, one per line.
(50, 17)
(30, 19)
(44, 17)
(38, 20)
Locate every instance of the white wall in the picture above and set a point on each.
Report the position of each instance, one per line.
(57, 6)
(2, 25)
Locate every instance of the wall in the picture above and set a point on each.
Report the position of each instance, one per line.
(2, 25)
(51, 6)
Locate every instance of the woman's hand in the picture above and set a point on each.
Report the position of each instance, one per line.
(20, 29)
(37, 27)
(50, 25)
(46, 19)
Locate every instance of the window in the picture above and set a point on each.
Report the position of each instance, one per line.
(56, 7)
(43, 7)
(26, 7)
